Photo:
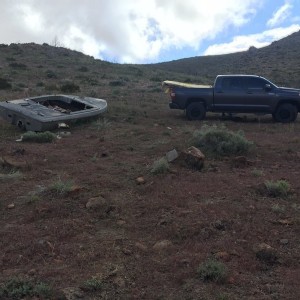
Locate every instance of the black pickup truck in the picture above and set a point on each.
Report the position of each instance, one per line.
(235, 94)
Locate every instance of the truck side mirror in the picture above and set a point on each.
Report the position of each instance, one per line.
(268, 87)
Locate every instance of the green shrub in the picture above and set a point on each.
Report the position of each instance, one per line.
(61, 187)
(218, 141)
(16, 65)
(83, 69)
(212, 270)
(257, 172)
(93, 284)
(11, 175)
(116, 83)
(278, 208)
(38, 137)
(51, 87)
(50, 74)
(160, 166)
(70, 87)
(101, 124)
(4, 84)
(19, 289)
(279, 188)
(10, 59)
(156, 79)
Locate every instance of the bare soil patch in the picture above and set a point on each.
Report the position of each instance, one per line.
(146, 241)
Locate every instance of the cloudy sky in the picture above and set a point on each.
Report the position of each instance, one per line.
(149, 31)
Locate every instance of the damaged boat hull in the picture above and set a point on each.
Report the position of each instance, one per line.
(47, 112)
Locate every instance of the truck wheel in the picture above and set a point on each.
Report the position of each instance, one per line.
(286, 113)
(196, 111)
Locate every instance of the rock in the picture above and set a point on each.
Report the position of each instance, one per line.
(285, 222)
(97, 203)
(241, 162)
(64, 133)
(126, 251)
(171, 155)
(10, 162)
(119, 281)
(192, 158)
(11, 206)
(141, 246)
(32, 272)
(231, 280)
(162, 245)
(19, 151)
(221, 224)
(284, 241)
(73, 293)
(266, 253)
(140, 180)
(222, 255)
(121, 222)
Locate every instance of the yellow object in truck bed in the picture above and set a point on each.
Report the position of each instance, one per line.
(168, 83)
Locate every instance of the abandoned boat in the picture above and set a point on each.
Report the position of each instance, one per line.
(47, 112)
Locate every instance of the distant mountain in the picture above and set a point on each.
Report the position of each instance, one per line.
(279, 62)
(45, 69)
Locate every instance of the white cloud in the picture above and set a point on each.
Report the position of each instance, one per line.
(280, 15)
(127, 31)
(243, 42)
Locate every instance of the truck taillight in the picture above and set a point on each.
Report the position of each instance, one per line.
(172, 94)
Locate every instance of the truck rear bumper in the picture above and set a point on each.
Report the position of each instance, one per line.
(174, 105)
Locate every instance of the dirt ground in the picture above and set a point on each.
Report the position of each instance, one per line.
(147, 241)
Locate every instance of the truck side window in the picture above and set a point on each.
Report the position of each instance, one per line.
(231, 84)
(255, 83)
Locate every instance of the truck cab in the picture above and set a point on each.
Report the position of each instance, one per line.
(244, 94)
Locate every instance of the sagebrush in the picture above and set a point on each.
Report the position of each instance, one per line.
(218, 141)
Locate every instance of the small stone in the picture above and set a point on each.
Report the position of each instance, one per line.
(32, 272)
(75, 189)
(231, 280)
(171, 155)
(11, 206)
(96, 202)
(222, 255)
(11, 162)
(64, 133)
(285, 222)
(120, 282)
(126, 251)
(121, 222)
(162, 245)
(140, 180)
(72, 293)
(284, 241)
(141, 246)
(240, 162)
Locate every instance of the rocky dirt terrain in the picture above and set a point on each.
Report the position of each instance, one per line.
(77, 215)
(85, 216)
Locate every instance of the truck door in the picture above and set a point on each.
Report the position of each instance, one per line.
(243, 94)
(229, 92)
(260, 94)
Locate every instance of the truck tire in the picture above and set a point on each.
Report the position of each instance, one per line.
(285, 113)
(196, 111)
